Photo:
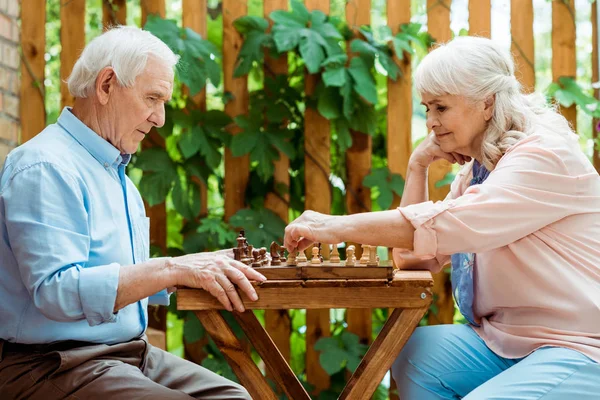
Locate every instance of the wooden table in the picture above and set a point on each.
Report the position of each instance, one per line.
(407, 292)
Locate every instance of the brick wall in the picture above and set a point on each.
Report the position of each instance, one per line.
(9, 76)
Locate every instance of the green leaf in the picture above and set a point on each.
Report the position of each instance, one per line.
(166, 30)
(300, 11)
(154, 159)
(264, 154)
(186, 199)
(332, 361)
(243, 142)
(193, 329)
(335, 61)
(364, 49)
(209, 148)
(249, 23)
(388, 64)
(446, 180)
(189, 144)
(329, 102)
(311, 51)
(155, 186)
(387, 183)
(288, 19)
(344, 137)
(364, 84)
(251, 51)
(364, 120)
(334, 77)
(286, 38)
(262, 226)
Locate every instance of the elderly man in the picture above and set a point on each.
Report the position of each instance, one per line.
(75, 273)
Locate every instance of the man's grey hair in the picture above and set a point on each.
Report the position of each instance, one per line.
(124, 48)
(477, 69)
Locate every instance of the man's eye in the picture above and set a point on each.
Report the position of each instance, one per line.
(441, 109)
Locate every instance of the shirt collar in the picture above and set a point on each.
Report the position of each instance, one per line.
(100, 149)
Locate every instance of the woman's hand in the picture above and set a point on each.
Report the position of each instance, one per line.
(429, 151)
(217, 273)
(309, 228)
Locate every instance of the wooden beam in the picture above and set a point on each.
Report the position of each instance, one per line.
(240, 361)
(156, 7)
(563, 49)
(237, 169)
(372, 368)
(317, 166)
(358, 165)
(438, 23)
(522, 46)
(33, 45)
(114, 12)
(595, 78)
(194, 13)
(72, 39)
(278, 322)
(480, 18)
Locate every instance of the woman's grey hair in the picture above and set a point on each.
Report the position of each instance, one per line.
(478, 68)
(124, 48)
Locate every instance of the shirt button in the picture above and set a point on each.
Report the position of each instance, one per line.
(105, 165)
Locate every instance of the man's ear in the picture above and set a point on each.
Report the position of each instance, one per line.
(105, 84)
(488, 107)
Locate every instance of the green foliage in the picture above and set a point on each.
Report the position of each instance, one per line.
(342, 351)
(567, 92)
(387, 183)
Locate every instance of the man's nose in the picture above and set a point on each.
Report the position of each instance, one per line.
(158, 117)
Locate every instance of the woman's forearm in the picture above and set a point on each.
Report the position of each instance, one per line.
(415, 188)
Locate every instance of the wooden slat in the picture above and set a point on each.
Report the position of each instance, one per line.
(157, 7)
(317, 167)
(358, 165)
(194, 14)
(480, 18)
(595, 78)
(33, 44)
(314, 298)
(371, 370)
(114, 12)
(563, 49)
(276, 364)
(237, 169)
(72, 39)
(240, 361)
(277, 322)
(399, 111)
(521, 17)
(438, 23)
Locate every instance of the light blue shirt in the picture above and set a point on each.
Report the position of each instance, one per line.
(69, 220)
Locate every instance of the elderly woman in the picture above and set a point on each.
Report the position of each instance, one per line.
(521, 226)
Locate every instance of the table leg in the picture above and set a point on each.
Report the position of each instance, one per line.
(382, 353)
(240, 361)
(278, 367)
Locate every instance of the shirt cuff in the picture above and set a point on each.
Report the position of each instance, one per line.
(421, 216)
(161, 298)
(98, 293)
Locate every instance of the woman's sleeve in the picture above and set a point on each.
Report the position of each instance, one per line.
(529, 189)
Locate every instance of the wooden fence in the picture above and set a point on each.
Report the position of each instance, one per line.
(317, 128)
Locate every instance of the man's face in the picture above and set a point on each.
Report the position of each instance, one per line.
(134, 111)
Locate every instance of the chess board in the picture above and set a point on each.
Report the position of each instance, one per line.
(276, 265)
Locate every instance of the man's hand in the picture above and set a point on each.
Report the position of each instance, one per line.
(217, 273)
(308, 228)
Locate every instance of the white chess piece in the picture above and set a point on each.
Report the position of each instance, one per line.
(350, 259)
(315, 258)
(335, 255)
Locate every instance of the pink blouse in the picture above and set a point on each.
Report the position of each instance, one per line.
(535, 227)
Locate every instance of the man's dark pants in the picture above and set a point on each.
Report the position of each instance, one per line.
(131, 370)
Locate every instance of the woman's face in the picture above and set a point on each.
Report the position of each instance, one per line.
(458, 124)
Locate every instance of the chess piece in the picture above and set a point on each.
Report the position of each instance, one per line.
(335, 255)
(238, 252)
(350, 259)
(291, 260)
(320, 255)
(255, 256)
(373, 262)
(302, 257)
(264, 259)
(315, 256)
(275, 257)
(364, 260)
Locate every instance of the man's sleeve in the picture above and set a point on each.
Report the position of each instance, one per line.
(48, 232)
(526, 192)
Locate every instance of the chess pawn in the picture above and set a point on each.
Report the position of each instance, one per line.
(255, 261)
(335, 255)
(263, 258)
(291, 260)
(315, 256)
(302, 257)
(350, 259)
(365, 254)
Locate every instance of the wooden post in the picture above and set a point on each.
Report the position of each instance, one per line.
(595, 78)
(317, 161)
(72, 39)
(33, 44)
(152, 7)
(277, 322)
(358, 165)
(194, 17)
(114, 12)
(399, 112)
(237, 169)
(480, 18)
(563, 49)
(521, 17)
(438, 23)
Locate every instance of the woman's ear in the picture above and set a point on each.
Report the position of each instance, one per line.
(488, 107)
(105, 84)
